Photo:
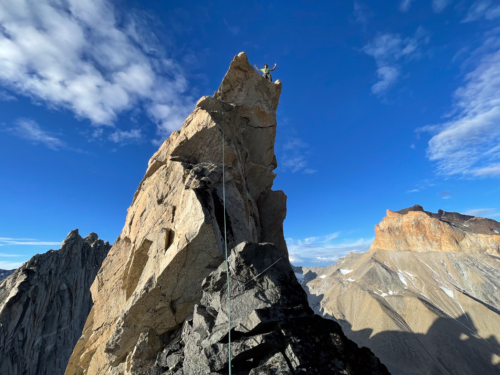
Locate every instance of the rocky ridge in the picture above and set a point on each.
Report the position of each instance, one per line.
(419, 306)
(44, 305)
(5, 273)
(173, 234)
(153, 311)
(414, 229)
(274, 330)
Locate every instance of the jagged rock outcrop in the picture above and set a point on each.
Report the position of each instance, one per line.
(423, 310)
(44, 305)
(173, 234)
(274, 331)
(417, 230)
(5, 273)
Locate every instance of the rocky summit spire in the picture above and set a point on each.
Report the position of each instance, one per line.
(173, 234)
(162, 286)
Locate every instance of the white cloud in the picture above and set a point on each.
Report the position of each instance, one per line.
(6, 97)
(361, 13)
(124, 137)
(31, 131)
(404, 5)
(4, 255)
(310, 171)
(440, 5)
(482, 9)
(389, 50)
(413, 191)
(469, 143)
(75, 54)
(4, 241)
(294, 156)
(322, 249)
(10, 265)
(483, 212)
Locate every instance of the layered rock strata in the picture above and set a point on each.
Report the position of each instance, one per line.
(273, 329)
(425, 310)
(414, 229)
(44, 305)
(173, 234)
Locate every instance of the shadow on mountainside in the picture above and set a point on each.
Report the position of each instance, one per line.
(450, 347)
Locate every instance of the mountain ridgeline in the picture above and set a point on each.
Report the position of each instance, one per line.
(44, 305)
(425, 298)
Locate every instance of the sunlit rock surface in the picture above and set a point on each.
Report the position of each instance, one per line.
(173, 234)
(425, 305)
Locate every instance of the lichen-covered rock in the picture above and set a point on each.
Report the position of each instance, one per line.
(173, 234)
(273, 329)
(44, 305)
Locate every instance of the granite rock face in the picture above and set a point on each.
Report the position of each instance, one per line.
(5, 273)
(414, 229)
(274, 331)
(44, 305)
(426, 310)
(173, 234)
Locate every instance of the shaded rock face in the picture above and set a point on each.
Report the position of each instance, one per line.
(5, 273)
(273, 329)
(432, 312)
(173, 234)
(414, 229)
(44, 305)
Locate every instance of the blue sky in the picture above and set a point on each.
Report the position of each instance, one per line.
(385, 104)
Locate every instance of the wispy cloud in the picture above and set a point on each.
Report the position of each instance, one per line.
(324, 249)
(26, 241)
(4, 255)
(361, 13)
(422, 185)
(31, 131)
(445, 194)
(469, 143)
(404, 5)
(10, 265)
(389, 51)
(483, 212)
(125, 137)
(484, 9)
(294, 156)
(439, 5)
(6, 97)
(83, 56)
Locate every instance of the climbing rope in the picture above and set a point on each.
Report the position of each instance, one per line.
(241, 285)
(225, 232)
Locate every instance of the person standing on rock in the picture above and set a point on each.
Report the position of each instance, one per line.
(266, 71)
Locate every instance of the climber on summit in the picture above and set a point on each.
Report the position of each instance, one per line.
(266, 71)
